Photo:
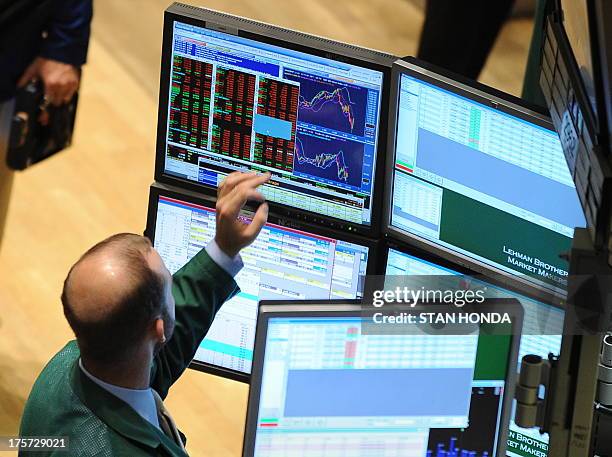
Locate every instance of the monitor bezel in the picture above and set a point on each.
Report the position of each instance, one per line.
(484, 95)
(294, 40)
(319, 308)
(597, 118)
(208, 200)
(600, 20)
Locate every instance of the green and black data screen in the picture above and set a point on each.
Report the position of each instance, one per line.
(483, 183)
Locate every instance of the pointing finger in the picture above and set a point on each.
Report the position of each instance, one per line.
(259, 219)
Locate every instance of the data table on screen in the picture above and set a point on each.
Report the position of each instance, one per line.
(483, 183)
(282, 263)
(329, 385)
(542, 323)
(347, 444)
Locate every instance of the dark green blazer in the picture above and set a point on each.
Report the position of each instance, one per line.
(65, 402)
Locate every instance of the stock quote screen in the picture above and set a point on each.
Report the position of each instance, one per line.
(236, 104)
(541, 335)
(330, 388)
(483, 183)
(282, 263)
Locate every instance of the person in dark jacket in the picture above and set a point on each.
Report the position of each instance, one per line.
(47, 39)
(44, 39)
(459, 35)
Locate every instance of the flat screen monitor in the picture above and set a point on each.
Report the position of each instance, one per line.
(481, 180)
(241, 95)
(326, 383)
(541, 334)
(287, 260)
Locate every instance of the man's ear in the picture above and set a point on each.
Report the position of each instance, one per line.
(160, 334)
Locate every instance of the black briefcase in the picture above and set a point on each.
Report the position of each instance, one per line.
(38, 129)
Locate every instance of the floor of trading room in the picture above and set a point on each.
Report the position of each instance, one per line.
(100, 185)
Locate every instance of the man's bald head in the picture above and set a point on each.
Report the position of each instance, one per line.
(112, 296)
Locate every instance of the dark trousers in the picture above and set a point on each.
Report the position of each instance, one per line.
(6, 174)
(459, 34)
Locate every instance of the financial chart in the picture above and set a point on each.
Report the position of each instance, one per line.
(331, 104)
(335, 163)
(475, 440)
(329, 386)
(282, 263)
(483, 183)
(236, 104)
(541, 334)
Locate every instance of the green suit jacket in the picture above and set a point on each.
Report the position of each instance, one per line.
(65, 402)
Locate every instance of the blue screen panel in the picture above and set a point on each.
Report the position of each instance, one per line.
(340, 392)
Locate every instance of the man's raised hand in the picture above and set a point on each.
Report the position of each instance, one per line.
(234, 234)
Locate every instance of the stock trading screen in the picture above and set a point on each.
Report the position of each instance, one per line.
(541, 335)
(233, 113)
(483, 183)
(237, 104)
(330, 388)
(282, 263)
(189, 124)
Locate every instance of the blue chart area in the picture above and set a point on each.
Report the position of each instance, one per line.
(330, 159)
(330, 104)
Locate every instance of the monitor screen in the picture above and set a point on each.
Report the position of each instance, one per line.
(236, 103)
(282, 263)
(541, 335)
(329, 388)
(482, 184)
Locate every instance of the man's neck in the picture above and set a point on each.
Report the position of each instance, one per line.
(130, 375)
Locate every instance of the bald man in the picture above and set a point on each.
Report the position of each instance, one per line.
(137, 329)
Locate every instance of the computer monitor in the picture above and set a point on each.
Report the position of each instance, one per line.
(326, 382)
(236, 94)
(575, 78)
(288, 260)
(481, 180)
(541, 334)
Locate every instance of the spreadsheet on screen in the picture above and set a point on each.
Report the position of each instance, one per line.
(281, 263)
(483, 183)
(328, 386)
(542, 323)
